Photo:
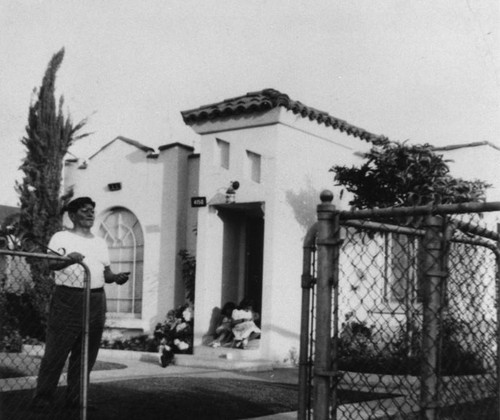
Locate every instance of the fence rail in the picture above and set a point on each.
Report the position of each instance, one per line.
(405, 317)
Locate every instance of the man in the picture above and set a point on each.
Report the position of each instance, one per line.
(64, 327)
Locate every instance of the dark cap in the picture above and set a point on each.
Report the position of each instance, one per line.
(76, 204)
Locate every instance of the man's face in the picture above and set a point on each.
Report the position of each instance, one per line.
(83, 217)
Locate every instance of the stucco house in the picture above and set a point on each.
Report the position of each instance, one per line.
(242, 204)
(143, 212)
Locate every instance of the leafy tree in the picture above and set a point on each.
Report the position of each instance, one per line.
(49, 134)
(398, 174)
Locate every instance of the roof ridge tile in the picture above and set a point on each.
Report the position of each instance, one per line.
(267, 99)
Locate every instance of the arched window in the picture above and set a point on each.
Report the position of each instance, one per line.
(123, 234)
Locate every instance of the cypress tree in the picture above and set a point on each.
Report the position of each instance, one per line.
(49, 134)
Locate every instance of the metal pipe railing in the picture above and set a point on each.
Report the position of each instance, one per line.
(467, 227)
(382, 227)
(420, 210)
(33, 255)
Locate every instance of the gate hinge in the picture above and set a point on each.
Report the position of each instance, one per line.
(308, 281)
(335, 375)
(332, 242)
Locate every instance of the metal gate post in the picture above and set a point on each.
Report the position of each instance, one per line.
(435, 275)
(328, 230)
(84, 371)
(497, 304)
(307, 284)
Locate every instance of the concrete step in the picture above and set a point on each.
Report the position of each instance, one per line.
(205, 357)
(249, 353)
(222, 363)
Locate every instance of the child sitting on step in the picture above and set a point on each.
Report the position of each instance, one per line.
(223, 332)
(244, 325)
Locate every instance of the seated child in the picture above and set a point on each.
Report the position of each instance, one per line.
(223, 333)
(244, 323)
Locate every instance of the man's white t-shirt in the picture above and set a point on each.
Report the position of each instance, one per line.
(96, 258)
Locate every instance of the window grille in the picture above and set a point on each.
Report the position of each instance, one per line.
(123, 234)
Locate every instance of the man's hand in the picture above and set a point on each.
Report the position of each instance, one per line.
(73, 258)
(121, 278)
(76, 257)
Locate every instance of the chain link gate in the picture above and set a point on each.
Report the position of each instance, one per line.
(399, 314)
(26, 285)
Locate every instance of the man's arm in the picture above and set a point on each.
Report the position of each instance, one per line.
(110, 277)
(74, 258)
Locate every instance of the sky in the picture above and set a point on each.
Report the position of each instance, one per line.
(418, 70)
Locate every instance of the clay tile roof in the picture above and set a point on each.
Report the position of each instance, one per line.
(268, 99)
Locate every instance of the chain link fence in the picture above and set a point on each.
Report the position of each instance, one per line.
(26, 290)
(401, 306)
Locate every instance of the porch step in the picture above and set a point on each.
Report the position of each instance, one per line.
(206, 357)
(222, 363)
(251, 352)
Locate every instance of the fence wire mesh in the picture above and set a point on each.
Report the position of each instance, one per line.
(27, 301)
(415, 330)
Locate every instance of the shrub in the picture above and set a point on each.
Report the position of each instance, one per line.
(11, 341)
(361, 351)
(141, 342)
(19, 312)
(188, 274)
(176, 332)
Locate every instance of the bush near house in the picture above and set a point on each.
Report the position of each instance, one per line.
(19, 321)
(176, 332)
(174, 335)
(361, 349)
(399, 174)
(188, 274)
(143, 342)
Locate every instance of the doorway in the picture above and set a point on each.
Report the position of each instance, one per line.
(254, 258)
(243, 252)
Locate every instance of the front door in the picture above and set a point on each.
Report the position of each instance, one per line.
(254, 255)
(243, 251)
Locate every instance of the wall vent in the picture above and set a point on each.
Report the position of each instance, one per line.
(115, 186)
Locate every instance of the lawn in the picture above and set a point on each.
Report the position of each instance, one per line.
(252, 394)
(15, 365)
(177, 398)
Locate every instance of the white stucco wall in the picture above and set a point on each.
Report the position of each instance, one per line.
(214, 181)
(305, 153)
(152, 189)
(296, 155)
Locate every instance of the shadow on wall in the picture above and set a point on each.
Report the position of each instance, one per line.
(303, 204)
